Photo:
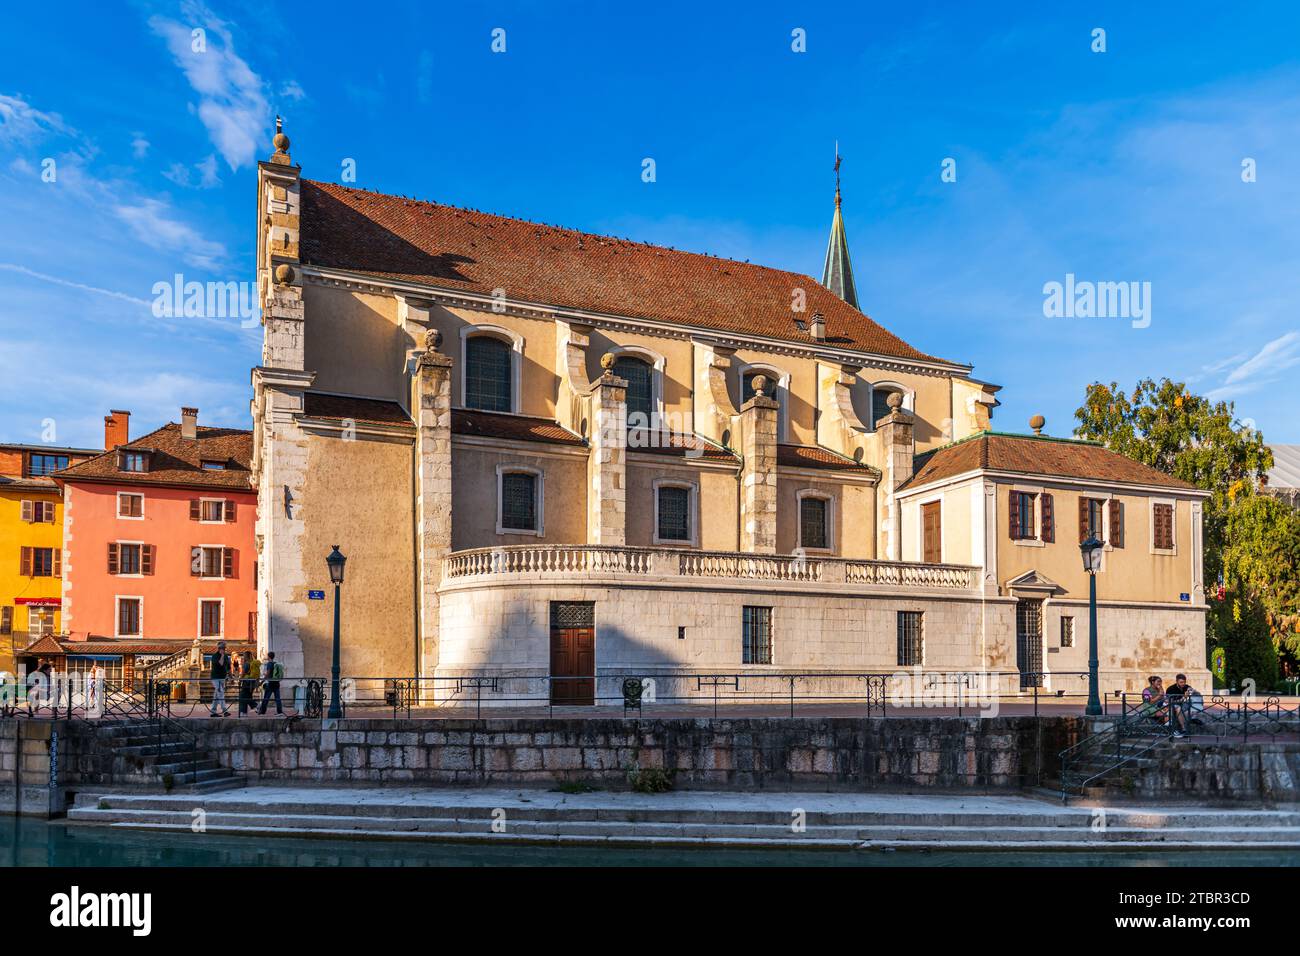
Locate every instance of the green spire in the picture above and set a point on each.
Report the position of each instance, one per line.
(837, 274)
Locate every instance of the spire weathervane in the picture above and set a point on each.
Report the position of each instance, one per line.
(837, 274)
(837, 172)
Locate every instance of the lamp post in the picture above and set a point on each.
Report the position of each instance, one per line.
(335, 562)
(1092, 550)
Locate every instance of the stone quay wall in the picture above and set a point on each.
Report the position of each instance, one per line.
(791, 754)
(1264, 771)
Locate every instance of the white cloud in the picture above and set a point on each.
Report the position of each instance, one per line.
(232, 98)
(293, 91)
(44, 277)
(180, 174)
(150, 221)
(139, 146)
(21, 124)
(1274, 358)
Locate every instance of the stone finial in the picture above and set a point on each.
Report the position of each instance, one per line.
(432, 340)
(1037, 423)
(281, 141)
(607, 361)
(759, 383)
(894, 400)
(284, 273)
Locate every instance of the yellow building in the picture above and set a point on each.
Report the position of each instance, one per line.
(31, 544)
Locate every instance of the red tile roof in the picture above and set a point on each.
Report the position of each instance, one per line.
(814, 456)
(1037, 455)
(462, 250)
(513, 427)
(176, 460)
(654, 442)
(342, 407)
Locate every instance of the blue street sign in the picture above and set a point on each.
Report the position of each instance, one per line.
(1184, 596)
(320, 596)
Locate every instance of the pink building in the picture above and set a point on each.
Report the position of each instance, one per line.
(158, 541)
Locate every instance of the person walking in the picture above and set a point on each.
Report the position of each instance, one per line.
(220, 673)
(251, 674)
(272, 674)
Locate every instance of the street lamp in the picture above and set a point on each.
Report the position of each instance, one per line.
(335, 562)
(1092, 550)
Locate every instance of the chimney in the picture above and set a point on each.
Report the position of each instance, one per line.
(117, 427)
(189, 423)
(819, 327)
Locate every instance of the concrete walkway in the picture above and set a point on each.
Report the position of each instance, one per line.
(933, 821)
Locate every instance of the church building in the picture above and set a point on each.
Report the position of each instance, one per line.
(559, 459)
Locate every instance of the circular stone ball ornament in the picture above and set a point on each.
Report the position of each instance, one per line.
(284, 273)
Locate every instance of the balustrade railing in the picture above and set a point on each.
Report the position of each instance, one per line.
(762, 567)
(904, 574)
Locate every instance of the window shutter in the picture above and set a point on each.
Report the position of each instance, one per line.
(58, 562)
(230, 510)
(49, 512)
(196, 562)
(227, 562)
(1083, 519)
(6, 620)
(146, 559)
(25, 562)
(194, 510)
(252, 626)
(1049, 519)
(27, 510)
(1116, 523)
(112, 557)
(1014, 513)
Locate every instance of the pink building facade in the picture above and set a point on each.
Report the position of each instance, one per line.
(159, 539)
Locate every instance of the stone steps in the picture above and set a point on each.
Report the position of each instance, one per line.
(435, 820)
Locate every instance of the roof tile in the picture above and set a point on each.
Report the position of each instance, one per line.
(177, 460)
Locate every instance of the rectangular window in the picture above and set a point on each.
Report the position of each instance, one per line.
(812, 523)
(212, 465)
(210, 619)
(42, 562)
(518, 501)
(6, 620)
(674, 513)
(37, 511)
(1162, 521)
(133, 461)
(128, 617)
(756, 623)
(130, 506)
(128, 559)
(910, 639)
(40, 465)
(1067, 632)
(212, 510)
(210, 562)
(1023, 516)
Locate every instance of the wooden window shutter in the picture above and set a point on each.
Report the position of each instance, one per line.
(194, 510)
(196, 562)
(1083, 519)
(1116, 523)
(146, 559)
(227, 562)
(230, 510)
(6, 620)
(58, 562)
(112, 557)
(1049, 518)
(1013, 500)
(252, 626)
(27, 510)
(25, 562)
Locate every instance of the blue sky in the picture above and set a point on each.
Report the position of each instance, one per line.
(1115, 166)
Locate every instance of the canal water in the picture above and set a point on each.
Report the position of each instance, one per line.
(28, 842)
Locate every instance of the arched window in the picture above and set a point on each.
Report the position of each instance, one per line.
(488, 374)
(640, 390)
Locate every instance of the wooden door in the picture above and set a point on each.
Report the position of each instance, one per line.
(573, 653)
(931, 533)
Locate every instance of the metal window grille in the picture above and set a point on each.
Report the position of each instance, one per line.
(640, 393)
(519, 501)
(812, 523)
(757, 635)
(1067, 632)
(487, 374)
(1029, 643)
(674, 514)
(910, 638)
(573, 614)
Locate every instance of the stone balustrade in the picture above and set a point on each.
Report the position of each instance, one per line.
(586, 560)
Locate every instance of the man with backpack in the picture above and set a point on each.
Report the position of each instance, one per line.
(272, 674)
(220, 673)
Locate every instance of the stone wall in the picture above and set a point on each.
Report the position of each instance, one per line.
(1264, 772)
(808, 754)
(29, 760)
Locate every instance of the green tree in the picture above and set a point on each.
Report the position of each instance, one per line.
(1262, 555)
(1242, 629)
(1188, 436)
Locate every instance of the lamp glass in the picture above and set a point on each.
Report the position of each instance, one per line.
(336, 562)
(1092, 551)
